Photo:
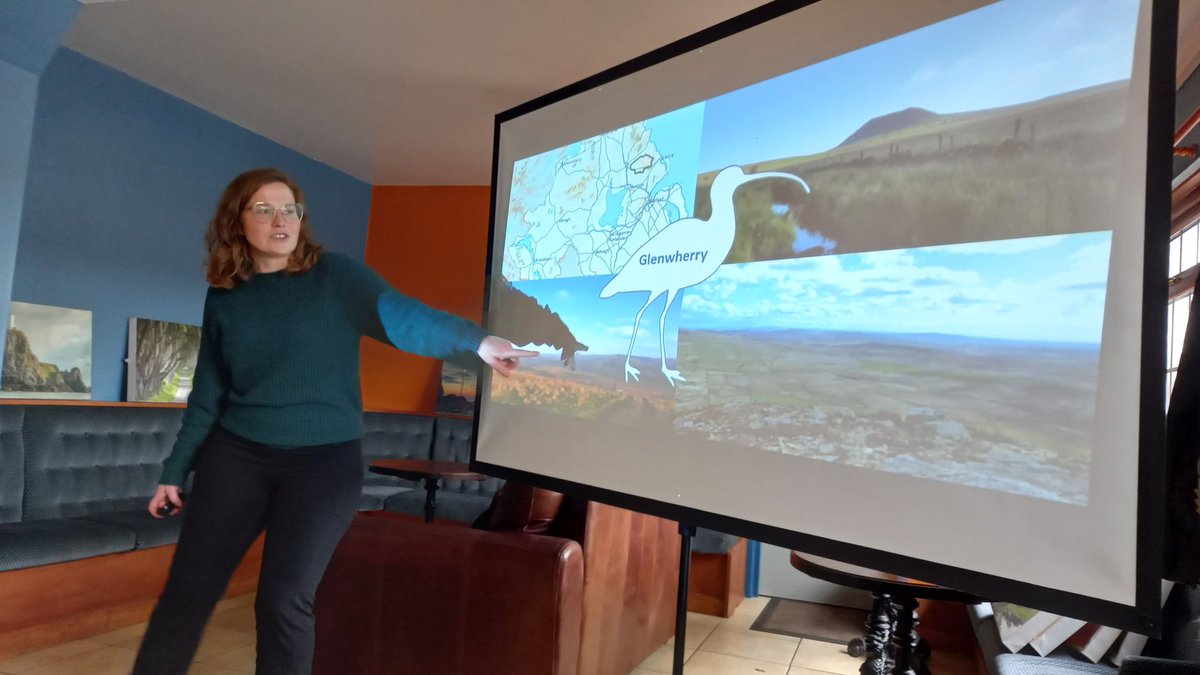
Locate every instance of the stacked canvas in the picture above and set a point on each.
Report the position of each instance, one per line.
(1044, 632)
(1093, 641)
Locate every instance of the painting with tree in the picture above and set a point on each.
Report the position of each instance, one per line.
(162, 358)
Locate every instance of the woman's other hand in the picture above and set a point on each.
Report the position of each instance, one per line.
(501, 355)
(166, 499)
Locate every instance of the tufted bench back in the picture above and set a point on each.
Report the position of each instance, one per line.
(452, 442)
(12, 463)
(390, 436)
(88, 460)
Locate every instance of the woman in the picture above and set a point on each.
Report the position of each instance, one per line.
(274, 418)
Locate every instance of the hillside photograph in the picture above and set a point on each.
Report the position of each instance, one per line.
(48, 353)
(980, 142)
(974, 364)
(585, 342)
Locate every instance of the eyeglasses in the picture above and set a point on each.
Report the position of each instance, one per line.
(265, 213)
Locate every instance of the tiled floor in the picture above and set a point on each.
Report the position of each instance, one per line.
(728, 647)
(713, 647)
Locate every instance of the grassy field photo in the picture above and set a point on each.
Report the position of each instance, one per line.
(994, 414)
(594, 390)
(916, 178)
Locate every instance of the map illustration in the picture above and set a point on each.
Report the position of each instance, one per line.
(584, 209)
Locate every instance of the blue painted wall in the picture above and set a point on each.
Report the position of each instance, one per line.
(17, 106)
(30, 32)
(122, 181)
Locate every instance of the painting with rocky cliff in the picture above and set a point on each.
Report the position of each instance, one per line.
(48, 353)
(162, 359)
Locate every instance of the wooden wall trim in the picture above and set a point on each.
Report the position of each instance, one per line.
(53, 604)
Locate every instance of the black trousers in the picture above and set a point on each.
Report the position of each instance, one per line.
(304, 497)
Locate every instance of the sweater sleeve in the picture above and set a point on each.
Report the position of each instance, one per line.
(209, 385)
(404, 322)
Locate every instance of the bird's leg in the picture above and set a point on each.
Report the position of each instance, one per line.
(672, 376)
(630, 371)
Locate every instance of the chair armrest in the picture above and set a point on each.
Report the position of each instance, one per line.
(401, 596)
(1144, 665)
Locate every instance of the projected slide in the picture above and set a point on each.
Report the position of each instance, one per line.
(907, 275)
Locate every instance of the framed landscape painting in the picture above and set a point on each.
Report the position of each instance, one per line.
(456, 393)
(48, 353)
(162, 360)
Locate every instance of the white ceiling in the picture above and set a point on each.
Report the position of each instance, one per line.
(395, 92)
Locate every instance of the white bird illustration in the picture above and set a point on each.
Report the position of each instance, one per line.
(683, 254)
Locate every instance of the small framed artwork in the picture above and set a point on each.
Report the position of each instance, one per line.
(48, 353)
(456, 394)
(162, 360)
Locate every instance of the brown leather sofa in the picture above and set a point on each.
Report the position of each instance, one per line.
(401, 596)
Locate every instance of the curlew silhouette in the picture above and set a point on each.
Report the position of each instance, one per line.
(679, 256)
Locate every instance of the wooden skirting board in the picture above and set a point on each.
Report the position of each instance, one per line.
(53, 604)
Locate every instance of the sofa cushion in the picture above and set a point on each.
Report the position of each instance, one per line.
(1022, 664)
(452, 443)
(86, 460)
(457, 506)
(392, 436)
(374, 496)
(148, 531)
(12, 463)
(43, 542)
(1142, 665)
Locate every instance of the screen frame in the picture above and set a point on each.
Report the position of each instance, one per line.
(1145, 615)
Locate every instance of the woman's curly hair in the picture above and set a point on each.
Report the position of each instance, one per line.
(230, 259)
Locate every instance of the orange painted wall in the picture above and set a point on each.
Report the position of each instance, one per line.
(430, 243)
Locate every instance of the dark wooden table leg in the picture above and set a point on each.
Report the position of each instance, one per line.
(431, 488)
(920, 648)
(904, 640)
(878, 637)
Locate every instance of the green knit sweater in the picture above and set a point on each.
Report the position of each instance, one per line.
(278, 361)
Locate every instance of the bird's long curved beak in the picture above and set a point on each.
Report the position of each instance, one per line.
(779, 174)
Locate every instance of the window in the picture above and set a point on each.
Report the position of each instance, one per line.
(1182, 269)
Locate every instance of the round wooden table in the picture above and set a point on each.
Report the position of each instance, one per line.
(890, 642)
(428, 470)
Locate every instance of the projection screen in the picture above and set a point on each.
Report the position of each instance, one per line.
(882, 281)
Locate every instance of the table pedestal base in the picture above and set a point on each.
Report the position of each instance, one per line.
(892, 645)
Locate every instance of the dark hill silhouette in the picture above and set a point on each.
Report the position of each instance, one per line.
(523, 320)
(886, 124)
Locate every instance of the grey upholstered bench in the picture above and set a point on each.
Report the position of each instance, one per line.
(82, 477)
(75, 480)
(458, 500)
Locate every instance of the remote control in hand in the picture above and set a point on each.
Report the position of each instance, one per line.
(167, 507)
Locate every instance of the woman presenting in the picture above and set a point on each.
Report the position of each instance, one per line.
(274, 420)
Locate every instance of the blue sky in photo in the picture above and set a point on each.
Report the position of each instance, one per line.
(604, 325)
(1041, 289)
(1009, 52)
